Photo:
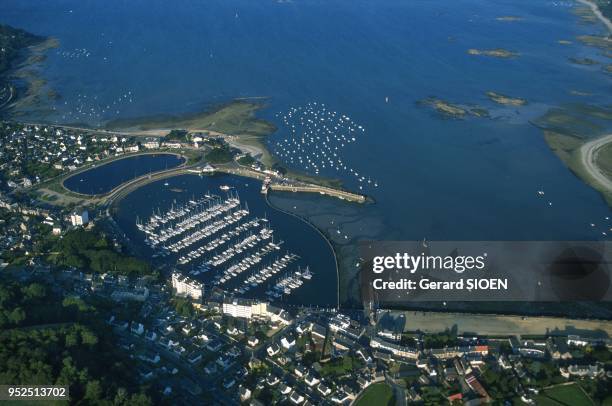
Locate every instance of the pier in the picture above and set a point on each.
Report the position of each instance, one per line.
(341, 194)
(292, 185)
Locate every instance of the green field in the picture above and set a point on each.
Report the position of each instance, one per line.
(235, 118)
(563, 395)
(378, 394)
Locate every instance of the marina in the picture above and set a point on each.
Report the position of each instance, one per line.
(227, 241)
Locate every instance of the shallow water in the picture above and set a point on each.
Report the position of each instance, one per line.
(104, 178)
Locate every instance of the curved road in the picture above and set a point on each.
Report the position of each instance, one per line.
(588, 156)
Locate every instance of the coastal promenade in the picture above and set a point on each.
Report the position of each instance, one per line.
(295, 186)
(341, 194)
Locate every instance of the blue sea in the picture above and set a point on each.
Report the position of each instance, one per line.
(438, 178)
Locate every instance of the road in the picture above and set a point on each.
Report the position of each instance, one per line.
(588, 156)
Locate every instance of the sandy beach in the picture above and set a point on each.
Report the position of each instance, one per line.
(502, 325)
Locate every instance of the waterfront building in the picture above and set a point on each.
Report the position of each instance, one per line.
(79, 219)
(187, 287)
(152, 144)
(398, 350)
(208, 168)
(245, 308)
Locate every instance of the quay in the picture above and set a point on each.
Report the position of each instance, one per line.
(292, 186)
(309, 188)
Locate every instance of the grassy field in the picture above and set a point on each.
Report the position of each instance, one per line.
(562, 395)
(378, 394)
(235, 118)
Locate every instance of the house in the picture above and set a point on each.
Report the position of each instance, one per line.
(284, 389)
(340, 397)
(255, 363)
(145, 373)
(229, 382)
(278, 315)
(577, 341)
(224, 362)
(153, 144)
(589, 371)
(245, 394)
(324, 389)
(288, 342)
(210, 368)
(233, 331)
(272, 380)
(311, 380)
(558, 348)
(273, 349)
(532, 348)
(296, 398)
(194, 357)
(234, 352)
(149, 356)
(214, 345)
(252, 341)
(343, 343)
(137, 328)
(300, 371)
(208, 168)
(395, 349)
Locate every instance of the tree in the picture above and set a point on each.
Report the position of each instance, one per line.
(72, 339)
(88, 337)
(93, 390)
(17, 315)
(34, 291)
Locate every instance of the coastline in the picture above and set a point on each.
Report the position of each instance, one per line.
(54, 192)
(30, 91)
(588, 159)
(116, 159)
(595, 9)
